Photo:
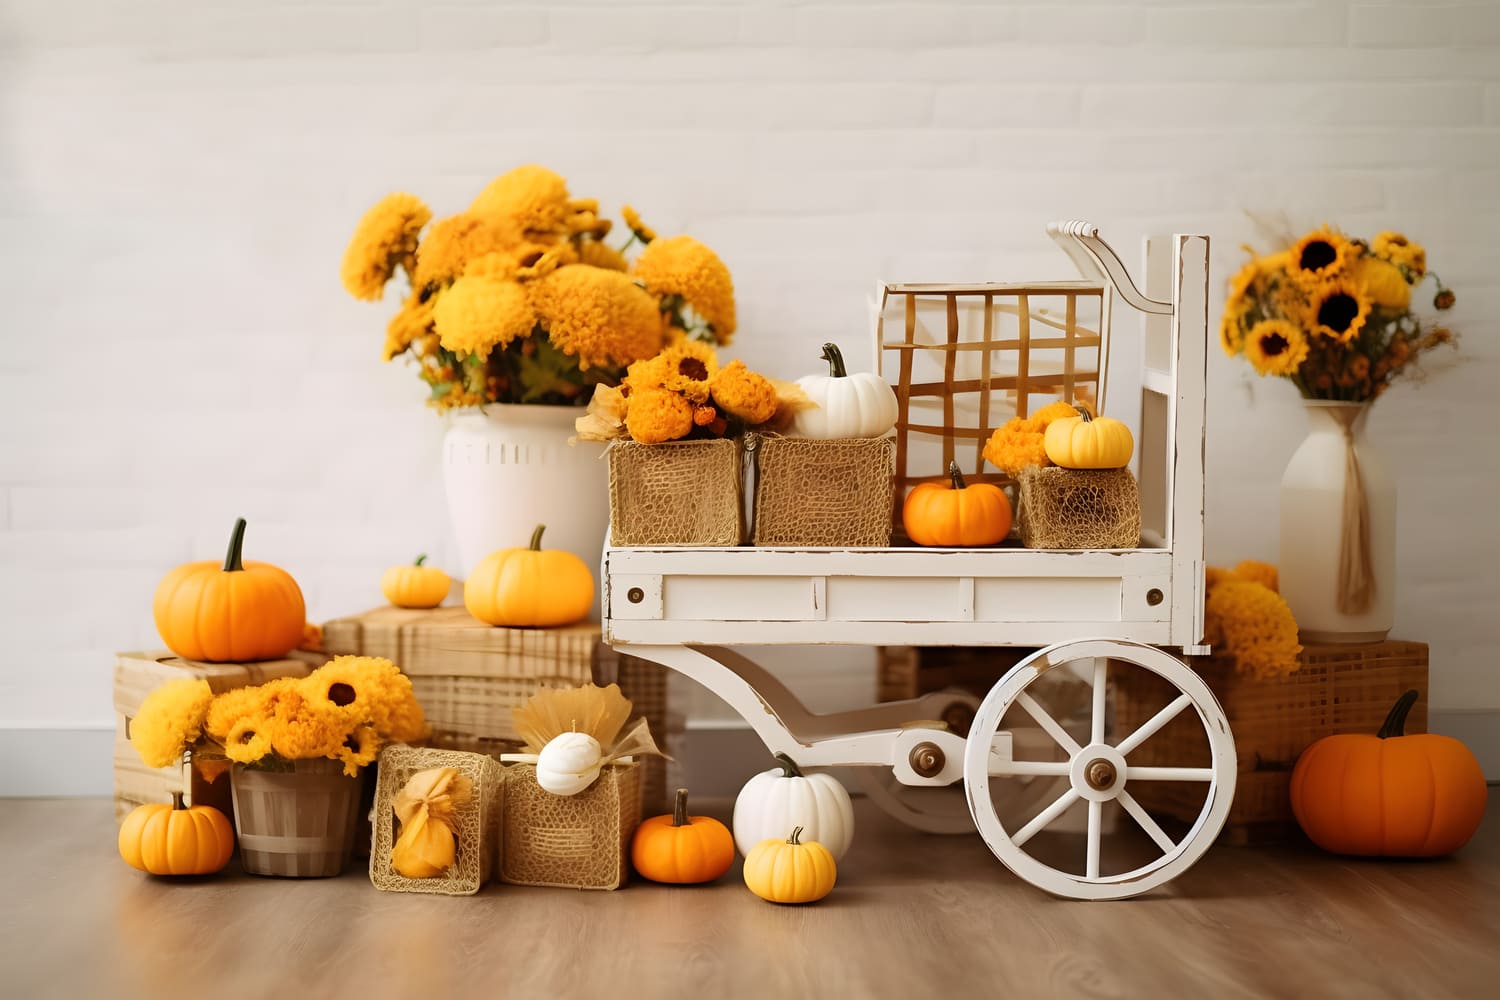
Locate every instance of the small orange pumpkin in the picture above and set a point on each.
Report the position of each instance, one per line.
(680, 849)
(1389, 794)
(415, 586)
(955, 514)
(234, 613)
(173, 840)
(530, 587)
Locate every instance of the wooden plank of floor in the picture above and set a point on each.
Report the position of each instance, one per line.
(913, 915)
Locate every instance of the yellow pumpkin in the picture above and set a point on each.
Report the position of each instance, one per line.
(530, 587)
(172, 840)
(956, 514)
(789, 871)
(415, 586)
(234, 613)
(1088, 442)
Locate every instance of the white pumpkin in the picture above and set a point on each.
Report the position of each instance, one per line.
(861, 405)
(569, 763)
(774, 803)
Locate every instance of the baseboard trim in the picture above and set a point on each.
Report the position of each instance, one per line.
(1478, 729)
(57, 763)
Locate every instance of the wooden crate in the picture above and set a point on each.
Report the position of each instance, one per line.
(468, 675)
(136, 676)
(1340, 689)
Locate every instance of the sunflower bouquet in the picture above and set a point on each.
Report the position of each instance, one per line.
(520, 299)
(345, 710)
(1334, 314)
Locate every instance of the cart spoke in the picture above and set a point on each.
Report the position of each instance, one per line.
(1043, 818)
(1031, 768)
(1100, 665)
(1169, 774)
(1096, 812)
(1128, 802)
(1151, 725)
(1053, 728)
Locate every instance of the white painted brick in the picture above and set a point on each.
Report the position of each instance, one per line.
(905, 27)
(1339, 104)
(1401, 26)
(1477, 25)
(1301, 26)
(1071, 25)
(625, 27)
(448, 28)
(1050, 106)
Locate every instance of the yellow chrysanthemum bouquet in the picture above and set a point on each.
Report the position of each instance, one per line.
(520, 299)
(1333, 314)
(345, 710)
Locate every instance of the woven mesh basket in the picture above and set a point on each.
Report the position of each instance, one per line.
(1079, 509)
(676, 493)
(476, 824)
(838, 492)
(570, 841)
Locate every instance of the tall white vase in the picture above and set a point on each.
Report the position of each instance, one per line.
(510, 468)
(1313, 530)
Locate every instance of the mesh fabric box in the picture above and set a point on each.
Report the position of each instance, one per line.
(824, 493)
(570, 841)
(476, 825)
(676, 493)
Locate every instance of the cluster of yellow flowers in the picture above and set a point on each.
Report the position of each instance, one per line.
(1018, 443)
(345, 710)
(1333, 314)
(1246, 616)
(518, 299)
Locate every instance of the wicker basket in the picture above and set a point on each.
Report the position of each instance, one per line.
(1340, 689)
(570, 841)
(824, 493)
(1079, 509)
(676, 493)
(477, 824)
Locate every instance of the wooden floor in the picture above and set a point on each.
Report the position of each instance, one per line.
(913, 917)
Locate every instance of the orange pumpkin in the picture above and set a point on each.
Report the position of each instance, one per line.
(681, 849)
(1389, 794)
(233, 613)
(955, 514)
(530, 587)
(171, 840)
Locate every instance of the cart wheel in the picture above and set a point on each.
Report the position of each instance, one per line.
(1098, 773)
(931, 810)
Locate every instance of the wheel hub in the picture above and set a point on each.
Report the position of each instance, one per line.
(1097, 772)
(1100, 774)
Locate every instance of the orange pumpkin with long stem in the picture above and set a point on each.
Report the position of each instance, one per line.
(955, 513)
(682, 849)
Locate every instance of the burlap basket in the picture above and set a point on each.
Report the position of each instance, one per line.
(1079, 509)
(477, 824)
(837, 492)
(676, 493)
(570, 841)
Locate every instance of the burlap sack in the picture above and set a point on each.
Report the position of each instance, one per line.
(1079, 509)
(677, 493)
(836, 492)
(570, 841)
(477, 824)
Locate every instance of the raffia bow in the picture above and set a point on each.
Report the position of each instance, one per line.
(599, 712)
(1356, 579)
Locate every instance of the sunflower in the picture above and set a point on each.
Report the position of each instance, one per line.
(1383, 283)
(359, 748)
(248, 740)
(687, 366)
(1320, 255)
(476, 315)
(637, 228)
(342, 687)
(385, 238)
(412, 321)
(1232, 331)
(1402, 252)
(234, 705)
(455, 241)
(681, 266)
(1275, 347)
(598, 316)
(1339, 309)
(656, 415)
(170, 720)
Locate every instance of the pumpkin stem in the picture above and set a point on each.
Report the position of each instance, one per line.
(956, 476)
(1084, 413)
(232, 561)
(793, 838)
(1395, 723)
(789, 768)
(420, 559)
(177, 805)
(835, 359)
(536, 538)
(679, 809)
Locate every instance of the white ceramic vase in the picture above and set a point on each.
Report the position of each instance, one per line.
(1313, 529)
(509, 468)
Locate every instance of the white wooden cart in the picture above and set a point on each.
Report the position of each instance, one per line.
(1094, 613)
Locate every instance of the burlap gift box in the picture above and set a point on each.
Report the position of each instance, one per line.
(824, 492)
(1079, 509)
(676, 493)
(570, 841)
(476, 824)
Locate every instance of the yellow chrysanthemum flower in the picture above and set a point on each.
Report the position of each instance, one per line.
(1400, 251)
(455, 241)
(1263, 573)
(681, 266)
(475, 315)
(1383, 283)
(653, 416)
(1320, 255)
(1339, 309)
(639, 229)
(599, 254)
(248, 740)
(745, 394)
(170, 720)
(1255, 626)
(385, 238)
(598, 316)
(531, 197)
(231, 706)
(1275, 347)
(414, 320)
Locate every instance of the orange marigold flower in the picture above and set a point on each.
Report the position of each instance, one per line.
(385, 238)
(530, 197)
(475, 315)
(412, 322)
(745, 394)
(639, 229)
(681, 266)
(653, 416)
(1255, 626)
(1017, 444)
(170, 720)
(1259, 572)
(599, 254)
(455, 241)
(599, 316)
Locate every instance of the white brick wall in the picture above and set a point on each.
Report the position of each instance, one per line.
(177, 179)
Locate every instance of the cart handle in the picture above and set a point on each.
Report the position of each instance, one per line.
(1097, 259)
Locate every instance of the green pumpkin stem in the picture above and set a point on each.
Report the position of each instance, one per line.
(420, 559)
(789, 768)
(793, 839)
(956, 476)
(177, 805)
(232, 560)
(679, 809)
(1084, 413)
(536, 538)
(1395, 723)
(835, 359)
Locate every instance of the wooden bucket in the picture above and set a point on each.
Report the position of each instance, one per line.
(298, 823)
